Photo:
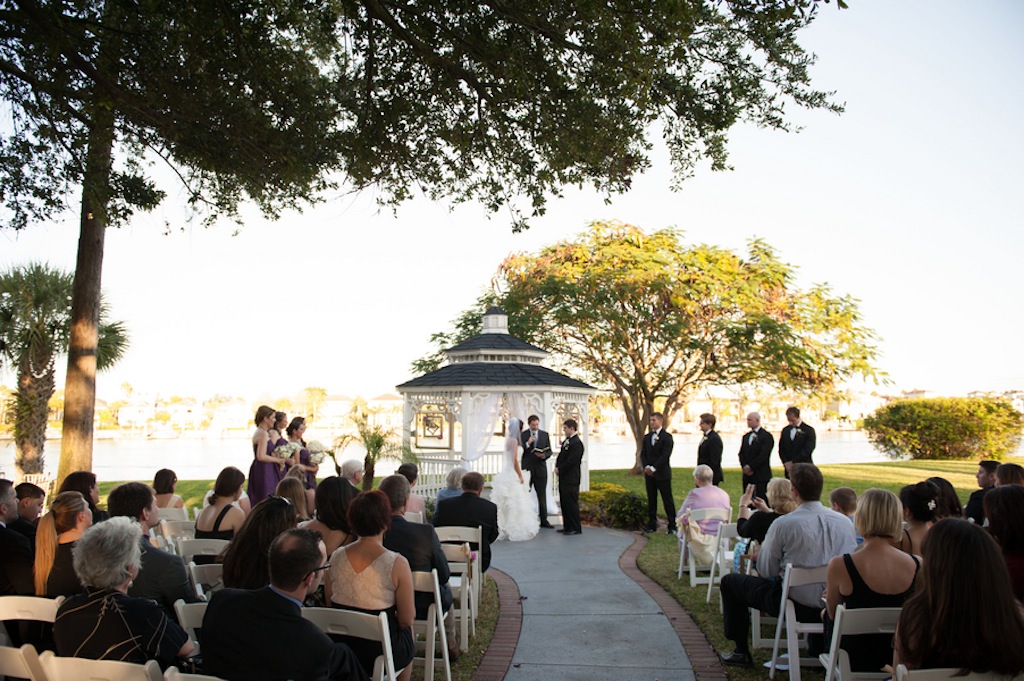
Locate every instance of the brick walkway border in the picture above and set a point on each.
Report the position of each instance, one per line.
(498, 657)
(706, 664)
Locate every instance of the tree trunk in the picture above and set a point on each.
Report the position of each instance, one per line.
(80, 388)
(368, 466)
(35, 387)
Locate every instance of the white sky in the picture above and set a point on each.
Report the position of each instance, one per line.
(905, 202)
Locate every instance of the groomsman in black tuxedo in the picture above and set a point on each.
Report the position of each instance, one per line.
(796, 444)
(654, 457)
(755, 455)
(536, 452)
(567, 465)
(709, 452)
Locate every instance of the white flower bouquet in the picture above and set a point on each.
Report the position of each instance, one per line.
(286, 451)
(317, 452)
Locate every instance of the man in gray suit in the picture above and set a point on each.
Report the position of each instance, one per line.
(163, 577)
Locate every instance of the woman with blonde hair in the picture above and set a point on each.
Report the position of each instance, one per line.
(754, 524)
(68, 518)
(292, 489)
(876, 575)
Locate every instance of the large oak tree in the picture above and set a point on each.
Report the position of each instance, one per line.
(653, 319)
(262, 100)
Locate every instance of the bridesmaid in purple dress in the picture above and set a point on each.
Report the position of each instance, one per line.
(266, 471)
(295, 430)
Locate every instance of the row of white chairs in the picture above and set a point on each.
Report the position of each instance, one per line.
(466, 578)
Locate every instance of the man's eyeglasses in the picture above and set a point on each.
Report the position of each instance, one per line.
(325, 566)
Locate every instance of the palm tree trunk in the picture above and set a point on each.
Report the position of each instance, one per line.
(368, 466)
(35, 387)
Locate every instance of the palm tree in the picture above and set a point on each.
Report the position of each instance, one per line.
(378, 441)
(35, 317)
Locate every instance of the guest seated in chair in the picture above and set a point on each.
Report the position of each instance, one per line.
(260, 635)
(245, 560)
(104, 622)
(810, 536)
(471, 510)
(1004, 509)
(366, 577)
(704, 496)
(962, 614)
(876, 575)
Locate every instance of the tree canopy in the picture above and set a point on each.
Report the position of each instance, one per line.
(653, 319)
(946, 428)
(274, 101)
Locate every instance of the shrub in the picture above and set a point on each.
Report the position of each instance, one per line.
(946, 428)
(613, 505)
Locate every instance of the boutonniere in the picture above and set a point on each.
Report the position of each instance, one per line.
(704, 439)
(798, 431)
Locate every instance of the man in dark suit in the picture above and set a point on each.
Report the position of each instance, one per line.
(567, 465)
(986, 477)
(418, 542)
(755, 455)
(797, 441)
(536, 452)
(163, 577)
(30, 507)
(260, 635)
(470, 510)
(16, 555)
(654, 457)
(709, 452)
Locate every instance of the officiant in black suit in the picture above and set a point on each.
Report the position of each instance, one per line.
(654, 457)
(536, 452)
(709, 452)
(569, 475)
(755, 455)
(797, 442)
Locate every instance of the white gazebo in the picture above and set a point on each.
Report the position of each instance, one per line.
(452, 415)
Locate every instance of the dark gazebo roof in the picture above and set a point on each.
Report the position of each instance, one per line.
(494, 358)
(493, 373)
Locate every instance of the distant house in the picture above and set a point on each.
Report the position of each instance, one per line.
(333, 414)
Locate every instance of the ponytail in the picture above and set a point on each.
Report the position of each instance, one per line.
(46, 551)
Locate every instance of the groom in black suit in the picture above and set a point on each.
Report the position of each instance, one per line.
(536, 452)
(654, 457)
(797, 442)
(569, 475)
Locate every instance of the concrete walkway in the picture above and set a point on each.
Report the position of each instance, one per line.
(585, 616)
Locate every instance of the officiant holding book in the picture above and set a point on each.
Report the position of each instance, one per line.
(536, 452)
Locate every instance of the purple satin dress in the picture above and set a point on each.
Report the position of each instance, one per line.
(304, 460)
(263, 476)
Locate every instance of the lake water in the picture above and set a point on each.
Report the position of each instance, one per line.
(193, 458)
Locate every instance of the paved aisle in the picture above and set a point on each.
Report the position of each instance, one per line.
(583, 618)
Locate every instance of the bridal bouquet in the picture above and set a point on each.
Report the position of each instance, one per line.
(286, 451)
(317, 452)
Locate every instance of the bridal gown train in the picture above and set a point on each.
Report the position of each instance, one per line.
(517, 507)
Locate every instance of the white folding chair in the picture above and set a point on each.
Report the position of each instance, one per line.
(414, 516)
(206, 579)
(695, 515)
(81, 669)
(175, 530)
(794, 577)
(904, 674)
(29, 608)
(21, 663)
(339, 622)
(190, 617)
(432, 628)
(722, 562)
(173, 513)
(188, 549)
(458, 582)
(856, 622)
(759, 620)
(473, 535)
(173, 674)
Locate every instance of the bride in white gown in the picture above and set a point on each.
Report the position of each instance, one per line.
(510, 491)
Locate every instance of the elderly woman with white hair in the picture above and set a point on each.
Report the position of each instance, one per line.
(453, 484)
(704, 495)
(104, 622)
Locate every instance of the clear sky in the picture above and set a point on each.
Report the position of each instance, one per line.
(905, 202)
